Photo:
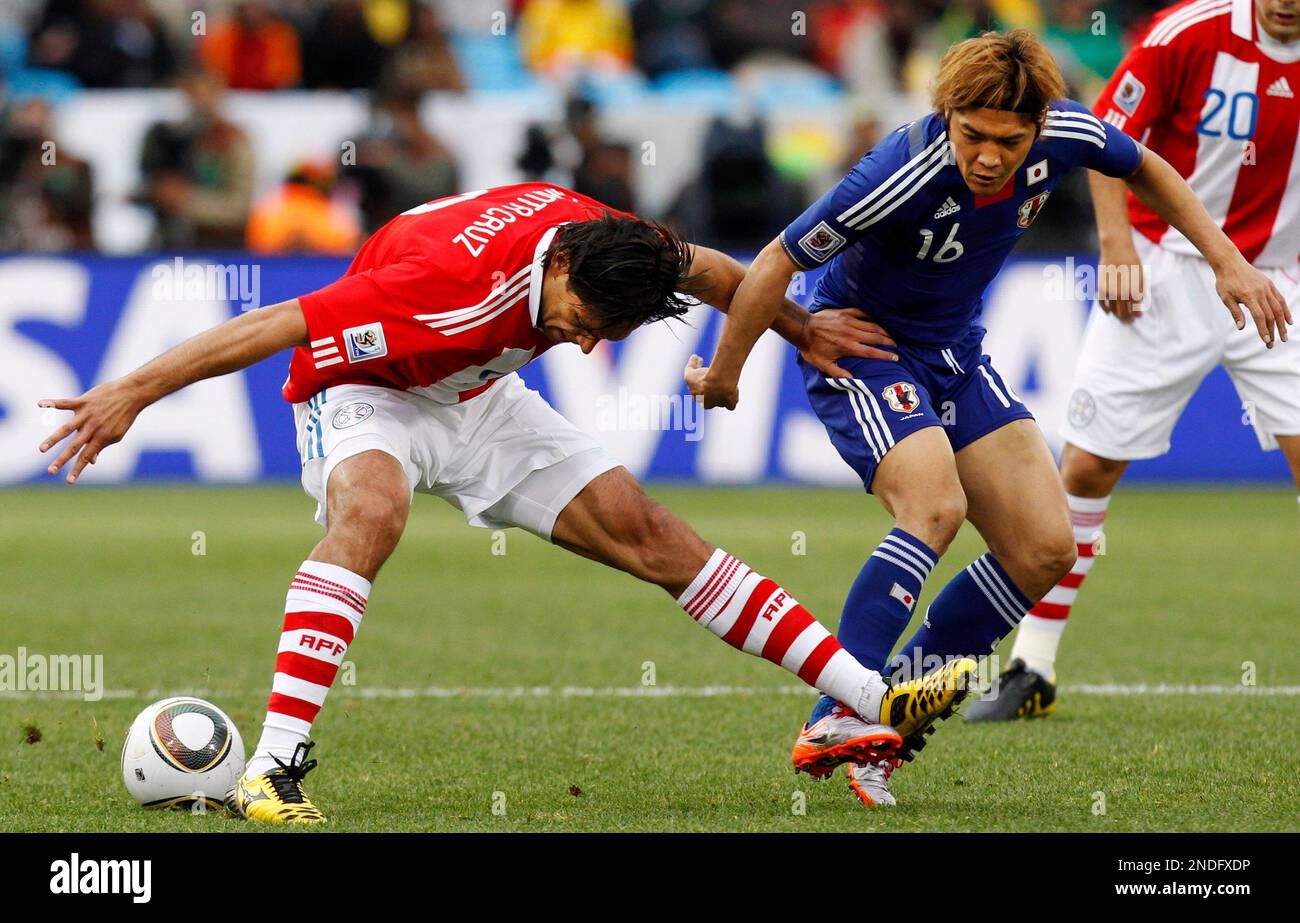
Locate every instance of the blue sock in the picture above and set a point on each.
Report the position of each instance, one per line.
(975, 611)
(880, 603)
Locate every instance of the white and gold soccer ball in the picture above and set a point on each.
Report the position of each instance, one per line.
(182, 752)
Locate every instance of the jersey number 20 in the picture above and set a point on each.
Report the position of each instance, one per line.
(1244, 108)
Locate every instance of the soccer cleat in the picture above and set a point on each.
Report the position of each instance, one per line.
(841, 737)
(870, 782)
(1018, 692)
(276, 796)
(912, 706)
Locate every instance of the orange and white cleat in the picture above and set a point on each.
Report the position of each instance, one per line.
(870, 782)
(842, 737)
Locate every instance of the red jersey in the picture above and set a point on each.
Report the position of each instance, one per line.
(1216, 96)
(442, 300)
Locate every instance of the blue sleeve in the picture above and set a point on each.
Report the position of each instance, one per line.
(844, 214)
(1089, 141)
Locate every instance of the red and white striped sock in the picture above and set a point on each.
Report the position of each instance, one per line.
(1040, 631)
(755, 615)
(321, 615)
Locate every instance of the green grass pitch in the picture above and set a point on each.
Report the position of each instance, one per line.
(1195, 588)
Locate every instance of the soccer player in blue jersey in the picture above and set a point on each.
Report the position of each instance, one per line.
(912, 237)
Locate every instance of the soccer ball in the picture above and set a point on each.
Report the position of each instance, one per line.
(182, 752)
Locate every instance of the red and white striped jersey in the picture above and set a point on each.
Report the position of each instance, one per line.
(442, 300)
(1217, 97)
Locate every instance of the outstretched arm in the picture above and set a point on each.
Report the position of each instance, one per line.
(1160, 187)
(821, 338)
(105, 412)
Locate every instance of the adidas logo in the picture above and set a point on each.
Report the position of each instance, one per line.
(949, 207)
(1280, 87)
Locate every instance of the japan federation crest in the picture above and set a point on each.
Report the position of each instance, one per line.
(1030, 209)
(365, 342)
(901, 397)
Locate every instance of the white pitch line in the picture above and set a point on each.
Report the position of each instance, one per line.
(640, 692)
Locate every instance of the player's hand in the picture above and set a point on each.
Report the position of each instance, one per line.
(1120, 283)
(101, 418)
(834, 334)
(710, 391)
(1242, 284)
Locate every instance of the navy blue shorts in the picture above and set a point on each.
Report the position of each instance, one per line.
(955, 387)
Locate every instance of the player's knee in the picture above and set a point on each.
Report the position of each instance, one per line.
(936, 519)
(1054, 555)
(376, 516)
(1088, 475)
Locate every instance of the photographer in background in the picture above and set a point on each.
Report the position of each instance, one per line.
(198, 173)
(45, 192)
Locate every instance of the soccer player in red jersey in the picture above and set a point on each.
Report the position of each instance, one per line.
(1214, 88)
(402, 381)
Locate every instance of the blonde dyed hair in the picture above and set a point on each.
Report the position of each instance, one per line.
(1011, 71)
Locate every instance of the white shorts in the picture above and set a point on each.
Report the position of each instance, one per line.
(504, 457)
(1133, 380)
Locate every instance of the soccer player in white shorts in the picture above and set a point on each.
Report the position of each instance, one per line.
(1212, 87)
(403, 381)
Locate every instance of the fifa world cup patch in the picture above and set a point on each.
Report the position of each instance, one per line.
(1129, 92)
(352, 414)
(821, 242)
(901, 593)
(901, 397)
(365, 342)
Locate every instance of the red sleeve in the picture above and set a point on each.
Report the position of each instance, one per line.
(379, 310)
(1140, 92)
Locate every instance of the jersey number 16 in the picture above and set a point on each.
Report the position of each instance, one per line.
(950, 250)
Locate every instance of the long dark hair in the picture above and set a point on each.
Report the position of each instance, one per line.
(625, 270)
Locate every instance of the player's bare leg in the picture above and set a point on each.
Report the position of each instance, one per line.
(918, 483)
(1027, 687)
(614, 522)
(1019, 506)
(1290, 446)
(367, 499)
(1016, 502)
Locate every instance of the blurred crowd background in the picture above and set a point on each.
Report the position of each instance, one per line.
(302, 125)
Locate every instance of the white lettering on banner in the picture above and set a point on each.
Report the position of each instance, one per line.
(651, 362)
(1029, 337)
(737, 443)
(805, 453)
(211, 420)
(49, 290)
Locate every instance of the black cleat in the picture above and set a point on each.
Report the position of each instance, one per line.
(1017, 693)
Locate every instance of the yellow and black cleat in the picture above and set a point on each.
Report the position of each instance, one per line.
(276, 796)
(911, 706)
(1017, 693)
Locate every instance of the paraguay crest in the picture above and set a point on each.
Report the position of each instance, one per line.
(901, 397)
(1030, 209)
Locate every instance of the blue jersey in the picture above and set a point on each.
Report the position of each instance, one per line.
(911, 245)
